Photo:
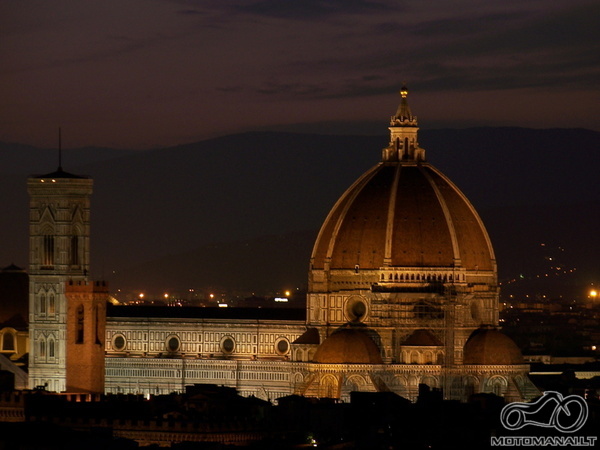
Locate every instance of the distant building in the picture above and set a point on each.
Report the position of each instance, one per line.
(14, 335)
(403, 291)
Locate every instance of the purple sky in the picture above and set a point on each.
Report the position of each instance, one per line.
(141, 74)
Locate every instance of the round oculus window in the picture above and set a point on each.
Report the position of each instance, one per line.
(282, 346)
(356, 309)
(173, 344)
(227, 345)
(119, 342)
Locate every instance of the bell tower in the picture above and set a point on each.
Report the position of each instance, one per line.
(59, 252)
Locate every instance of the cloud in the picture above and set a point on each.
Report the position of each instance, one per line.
(293, 89)
(311, 9)
(191, 12)
(230, 89)
(476, 51)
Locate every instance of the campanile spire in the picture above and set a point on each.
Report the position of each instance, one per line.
(403, 128)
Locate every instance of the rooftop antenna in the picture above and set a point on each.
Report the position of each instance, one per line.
(59, 151)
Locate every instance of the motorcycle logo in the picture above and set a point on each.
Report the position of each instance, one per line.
(552, 410)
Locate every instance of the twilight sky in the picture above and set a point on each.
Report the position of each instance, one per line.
(143, 74)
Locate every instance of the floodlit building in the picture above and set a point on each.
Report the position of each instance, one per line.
(59, 254)
(403, 291)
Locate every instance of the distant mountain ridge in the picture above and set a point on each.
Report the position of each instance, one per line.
(157, 209)
(21, 158)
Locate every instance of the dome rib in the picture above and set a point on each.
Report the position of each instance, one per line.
(447, 215)
(469, 236)
(360, 237)
(389, 233)
(332, 223)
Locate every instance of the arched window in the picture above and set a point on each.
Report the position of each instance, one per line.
(48, 251)
(414, 357)
(80, 325)
(428, 357)
(42, 348)
(497, 385)
(74, 250)
(8, 342)
(43, 304)
(51, 348)
(51, 305)
(329, 387)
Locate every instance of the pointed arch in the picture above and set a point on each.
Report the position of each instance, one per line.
(328, 388)
(430, 381)
(77, 215)
(47, 216)
(356, 383)
(497, 384)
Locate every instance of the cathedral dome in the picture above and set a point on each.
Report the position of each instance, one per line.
(403, 212)
(490, 346)
(348, 345)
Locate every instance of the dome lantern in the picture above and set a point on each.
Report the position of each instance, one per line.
(403, 128)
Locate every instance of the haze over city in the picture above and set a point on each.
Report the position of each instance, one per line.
(154, 75)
